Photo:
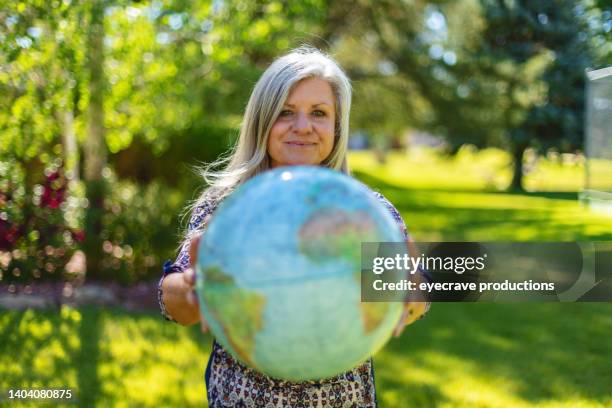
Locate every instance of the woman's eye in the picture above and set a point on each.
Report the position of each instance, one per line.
(318, 113)
(285, 112)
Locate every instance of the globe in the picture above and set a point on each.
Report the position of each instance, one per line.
(279, 273)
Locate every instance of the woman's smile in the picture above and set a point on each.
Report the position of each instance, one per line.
(301, 144)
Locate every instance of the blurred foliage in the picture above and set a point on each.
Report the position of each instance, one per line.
(139, 228)
(176, 76)
(44, 227)
(537, 52)
(140, 164)
(40, 224)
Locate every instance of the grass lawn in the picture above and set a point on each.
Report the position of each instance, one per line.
(109, 358)
(444, 199)
(461, 355)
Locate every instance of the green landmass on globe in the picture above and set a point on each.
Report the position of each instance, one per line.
(334, 232)
(236, 305)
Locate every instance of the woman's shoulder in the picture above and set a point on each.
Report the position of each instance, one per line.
(382, 198)
(385, 201)
(200, 211)
(394, 212)
(205, 206)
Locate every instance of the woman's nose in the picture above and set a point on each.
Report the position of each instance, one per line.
(302, 123)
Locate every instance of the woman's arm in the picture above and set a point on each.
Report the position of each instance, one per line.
(413, 310)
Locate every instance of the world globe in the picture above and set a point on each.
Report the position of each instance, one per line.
(279, 273)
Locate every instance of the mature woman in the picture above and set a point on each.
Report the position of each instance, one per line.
(297, 114)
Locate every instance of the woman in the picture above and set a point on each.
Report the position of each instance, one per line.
(297, 114)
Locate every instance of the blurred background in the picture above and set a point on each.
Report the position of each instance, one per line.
(479, 119)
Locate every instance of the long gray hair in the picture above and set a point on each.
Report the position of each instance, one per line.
(249, 155)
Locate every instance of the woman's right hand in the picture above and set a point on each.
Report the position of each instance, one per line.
(189, 277)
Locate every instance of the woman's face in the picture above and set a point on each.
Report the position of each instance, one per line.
(304, 130)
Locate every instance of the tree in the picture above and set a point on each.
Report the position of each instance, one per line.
(88, 80)
(95, 148)
(512, 77)
(412, 69)
(538, 51)
(37, 107)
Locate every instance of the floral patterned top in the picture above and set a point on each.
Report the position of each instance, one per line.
(231, 384)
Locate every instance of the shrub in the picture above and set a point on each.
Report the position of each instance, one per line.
(41, 225)
(40, 221)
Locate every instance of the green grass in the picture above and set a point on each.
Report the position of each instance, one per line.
(460, 355)
(444, 199)
(501, 355)
(108, 357)
(493, 355)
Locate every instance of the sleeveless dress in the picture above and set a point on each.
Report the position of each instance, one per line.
(230, 384)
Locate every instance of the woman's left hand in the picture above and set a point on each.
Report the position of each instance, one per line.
(412, 312)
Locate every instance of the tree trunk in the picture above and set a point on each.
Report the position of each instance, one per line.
(517, 175)
(69, 143)
(95, 154)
